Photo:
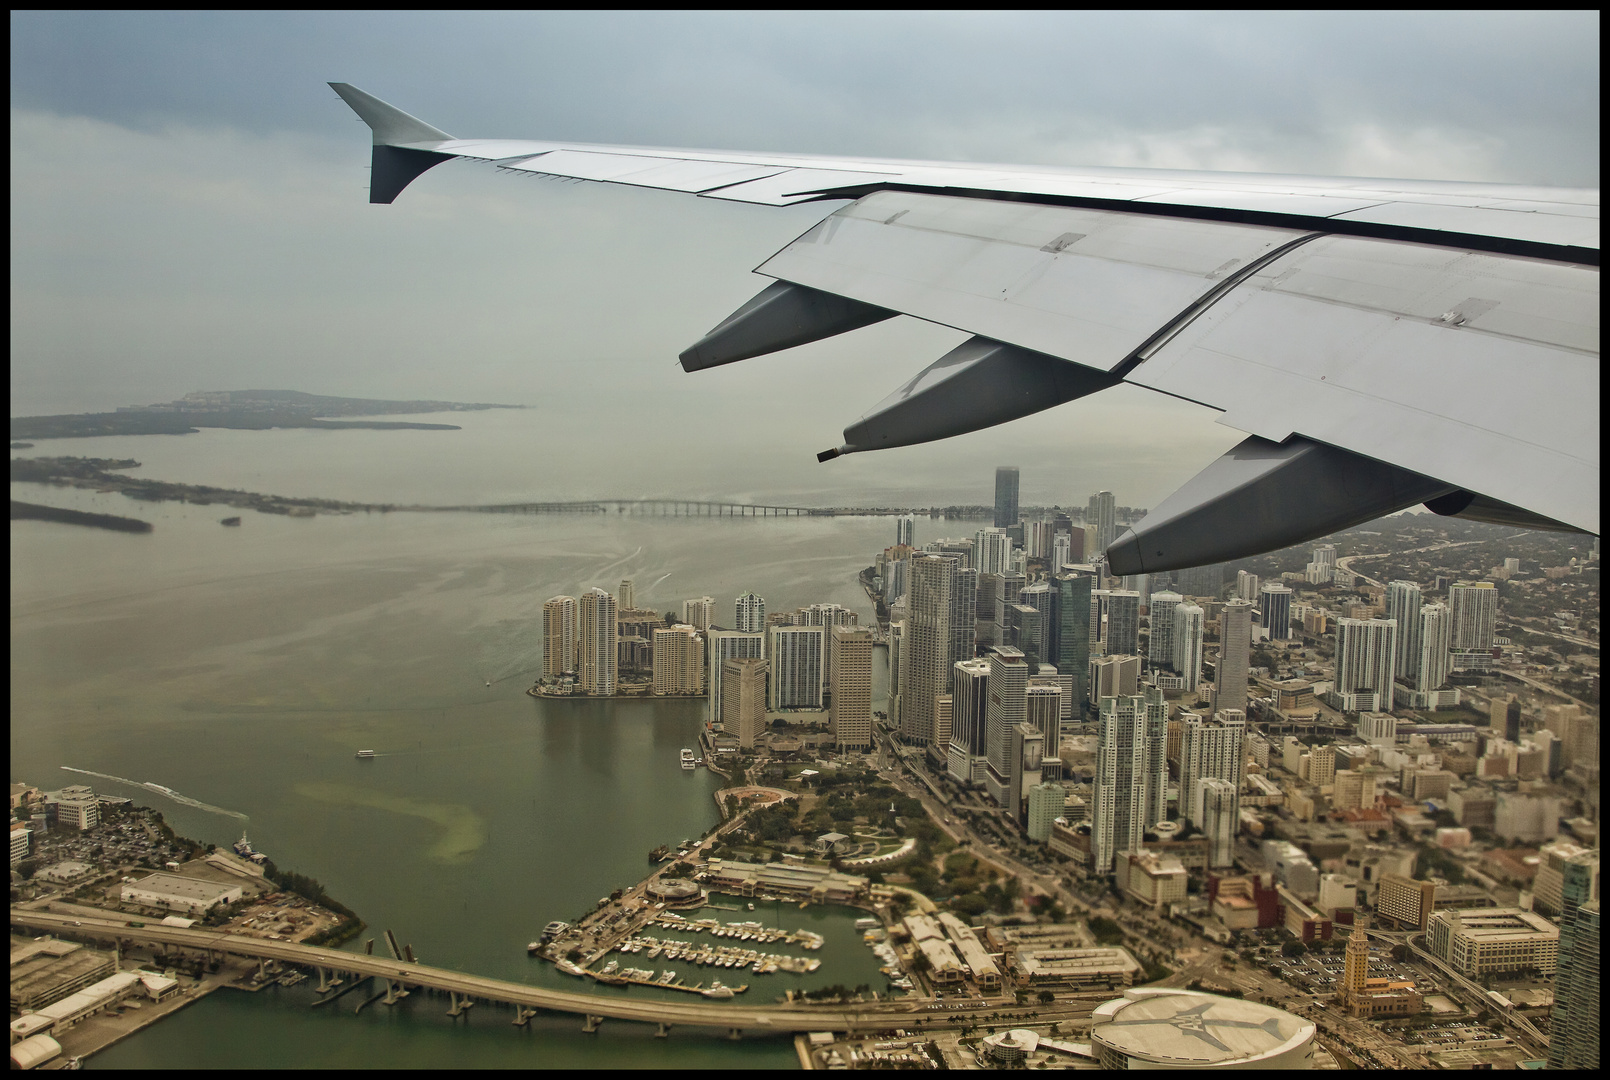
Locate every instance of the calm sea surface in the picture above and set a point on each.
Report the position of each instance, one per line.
(244, 667)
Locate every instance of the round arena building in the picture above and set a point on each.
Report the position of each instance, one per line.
(1185, 1029)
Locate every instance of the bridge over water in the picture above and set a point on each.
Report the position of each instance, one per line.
(659, 508)
(399, 975)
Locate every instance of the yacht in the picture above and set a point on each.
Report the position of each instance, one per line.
(569, 968)
(717, 990)
(687, 758)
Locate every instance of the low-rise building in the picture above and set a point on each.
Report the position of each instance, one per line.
(1155, 879)
(1303, 922)
(980, 964)
(1247, 902)
(1483, 941)
(175, 893)
(45, 970)
(817, 883)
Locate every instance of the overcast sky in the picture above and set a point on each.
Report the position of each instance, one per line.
(189, 198)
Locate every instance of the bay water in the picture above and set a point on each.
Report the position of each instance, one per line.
(244, 668)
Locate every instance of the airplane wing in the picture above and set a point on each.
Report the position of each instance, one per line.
(1382, 343)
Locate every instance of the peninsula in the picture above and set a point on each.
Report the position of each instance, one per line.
(252, 410)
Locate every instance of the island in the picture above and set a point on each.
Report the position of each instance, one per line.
(22, 511)
(251, 410)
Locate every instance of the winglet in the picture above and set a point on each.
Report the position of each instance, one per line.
(393, 164)
(392, 126)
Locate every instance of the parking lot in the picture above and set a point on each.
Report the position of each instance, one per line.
(1322, 973)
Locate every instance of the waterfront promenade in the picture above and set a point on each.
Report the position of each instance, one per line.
(397, 975)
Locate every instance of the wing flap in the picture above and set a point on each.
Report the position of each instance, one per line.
(1089, 286)
(1481, 370)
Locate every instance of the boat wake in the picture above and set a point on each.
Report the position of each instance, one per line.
(168, 792)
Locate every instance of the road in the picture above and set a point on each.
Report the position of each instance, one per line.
(780, 1019)
(1345, 563)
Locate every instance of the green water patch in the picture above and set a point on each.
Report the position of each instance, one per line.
(464, 831)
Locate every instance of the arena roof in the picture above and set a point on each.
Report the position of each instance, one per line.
(1185, 1029)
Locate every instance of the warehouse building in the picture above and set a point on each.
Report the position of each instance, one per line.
(175, 893)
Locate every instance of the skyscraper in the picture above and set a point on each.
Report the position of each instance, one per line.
(1364, 654)
(1246, 585)
(1026, 749)
(797, 655)
(905, 530)
(850, 714)
(1220, 820)
(969, 715)
(1574, 1023)
(1005, 496)
(1160, 648)
(1275, 601)
(559, 636)
(1403, 606)
(1209, 747)
(991, 550)
(1473, 607)
(1188, 623)
(678, 660)
(724, 645)
(1073, 587)
(1436, 632)
(743, 699)
(1103, 514)
(596, 642)
(1114, 676)
(926, 651)
(1061, 551)
(626, 598)
(1154, 803)
(1046, 801)
(1235, 656)
(1008, 682)
(963, 615)
(699, 613)
(751, 612)
(1475, 614)
(1118, 809)
(1123, 622)
(1043, 707)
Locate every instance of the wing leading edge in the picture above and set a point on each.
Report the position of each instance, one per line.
(1383, 343)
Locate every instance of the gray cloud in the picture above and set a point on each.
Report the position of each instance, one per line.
(188, 205)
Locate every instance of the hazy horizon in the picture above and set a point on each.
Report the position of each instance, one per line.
(189, 206)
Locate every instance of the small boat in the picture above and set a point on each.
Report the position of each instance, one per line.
(365, 755)
(751, 907)
(533, 946)
(609, 968)
(229, 521)
(570, 969)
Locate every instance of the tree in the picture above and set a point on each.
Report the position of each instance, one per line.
(1046, 997)
(1293, 948)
